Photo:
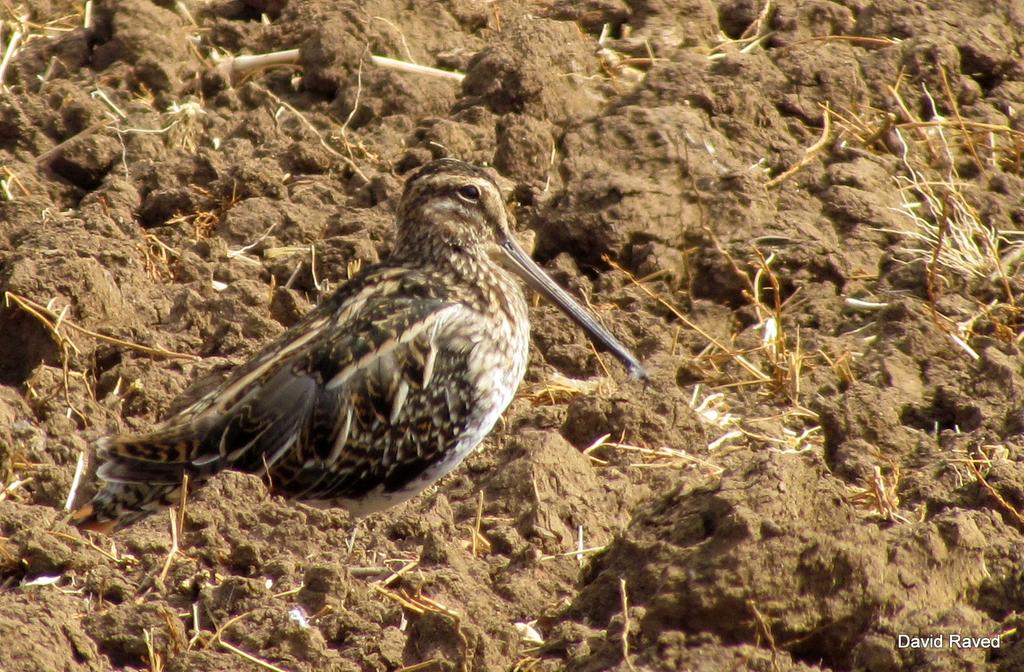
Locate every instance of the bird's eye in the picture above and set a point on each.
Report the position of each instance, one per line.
(469, 193)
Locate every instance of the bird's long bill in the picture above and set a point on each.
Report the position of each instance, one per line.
(523, 266)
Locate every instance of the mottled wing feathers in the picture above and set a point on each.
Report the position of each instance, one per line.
(243, 437)
(385, 411)
(311, 409)
(389, 421)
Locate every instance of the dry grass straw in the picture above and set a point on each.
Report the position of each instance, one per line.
(879, 495)
(558, 389)
(785, 362)
(122, 559)
(255, 660)
(944, 229)
(12, 465)
(764, 630)
(363, 150)
(809, 153)
(198, 641)
(773, 370)
(202, 221)
(17, 30)
(156, 658)
(76, 480)
(529, 664)
(753, 36)
(419, 604)
(241, 653)
(184, 128)
(618, 66)
(737, 356)
(407, 566)
(943, 232)
(432, 664)
(8, 182)
(626, 625)
(177, 519)
(157, 256)
(236, 68)
(976, 463)
(8, 559)
(479, 545)
(580, 553)
(941, 227)
(662, 457)
(282, 106)
(53, 321)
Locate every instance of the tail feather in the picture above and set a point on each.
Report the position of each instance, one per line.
(138, 481)
(149, 459)
(118, 505)
(143, 472)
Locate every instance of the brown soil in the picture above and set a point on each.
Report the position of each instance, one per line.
(828, 454)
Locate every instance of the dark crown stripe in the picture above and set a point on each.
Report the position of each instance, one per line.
(449, 167)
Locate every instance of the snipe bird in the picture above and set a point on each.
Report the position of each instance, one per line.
(380, 390)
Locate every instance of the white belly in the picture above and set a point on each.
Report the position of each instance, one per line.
(495, 390)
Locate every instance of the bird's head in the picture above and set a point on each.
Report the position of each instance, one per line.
(453, 210)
